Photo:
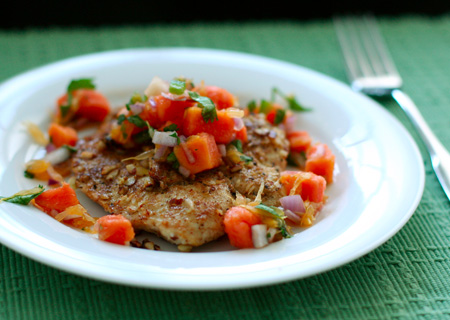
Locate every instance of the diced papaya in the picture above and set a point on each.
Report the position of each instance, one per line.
(203, 153)
(57, 199)
(62, 135)
(238, 224)
(221, 97)
(92, 105)
(242, 134)
(221, 129)
(320, 160)
(170, 110)
(299, 141)
(150, 113)
(309, 186)
(86, 103)
(115, 229)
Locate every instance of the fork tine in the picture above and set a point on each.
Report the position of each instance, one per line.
(379, 45)
(363, 48)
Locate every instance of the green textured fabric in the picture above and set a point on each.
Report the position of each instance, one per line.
(406, 278)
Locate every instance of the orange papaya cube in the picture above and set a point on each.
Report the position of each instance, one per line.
(309, 186)
(238, 224)
(170, 110)
(62, 135)
(198, 153)
(221, 129)
(115, 229)
(299, 141)
(320, 160)
(221, 97)
(58, 199)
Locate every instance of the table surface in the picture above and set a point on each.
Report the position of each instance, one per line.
(405, 278)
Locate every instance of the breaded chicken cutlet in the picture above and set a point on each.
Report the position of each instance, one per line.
(158, 199)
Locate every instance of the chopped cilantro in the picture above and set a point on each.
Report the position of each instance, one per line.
(277, 214)
(172, 159)
(137, 121)
(171, 127)
(246, 159)
(279, 116)
(175, 135)
(293, 104)
(24, 197)
(209, 112)
(238, 144)
(28, 175)
(70, 148)
(75, 85)
(80, 84)
(134, 119)
(265, 106)
(251, 106)
(121, 119)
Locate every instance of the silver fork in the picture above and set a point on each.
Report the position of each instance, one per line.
(372, 71)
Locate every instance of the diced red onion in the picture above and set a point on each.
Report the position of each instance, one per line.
(137, 108)
(164, 138)
(57, 156)
(52, 182)
(222, 149)
(160, 152)
(259, 235)
(50, 147)
(185, 172)
(188, 153)
(289, 124)
(293, 203)
(238, 124)
(292, 216)
(182, 138)
(174, 97)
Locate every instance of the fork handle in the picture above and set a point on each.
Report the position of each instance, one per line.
(440, 157)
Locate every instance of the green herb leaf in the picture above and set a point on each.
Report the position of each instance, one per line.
(293, 104)
(177, 86)
(175, 135)
(171, 127)
(251, 106)
(70, 148)
(277, 214)
(209, 112)
(279, 116)
(246, 159)
(172, 159)
(28, 175)
(80, 84)
(137, 120)
(75, 85)
(121, 119)
(238, 144)
(265, 106)
(24, 197)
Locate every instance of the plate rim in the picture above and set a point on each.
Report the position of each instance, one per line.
(27, 251)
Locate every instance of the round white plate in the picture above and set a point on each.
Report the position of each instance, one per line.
(378, 184)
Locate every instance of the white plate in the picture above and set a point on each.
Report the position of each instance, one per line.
(379, 180)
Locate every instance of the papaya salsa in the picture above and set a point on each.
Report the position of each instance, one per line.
(198, 132)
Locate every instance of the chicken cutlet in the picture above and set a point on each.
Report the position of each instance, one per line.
(158, 199)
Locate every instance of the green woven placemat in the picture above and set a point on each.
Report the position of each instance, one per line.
(406, 278)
